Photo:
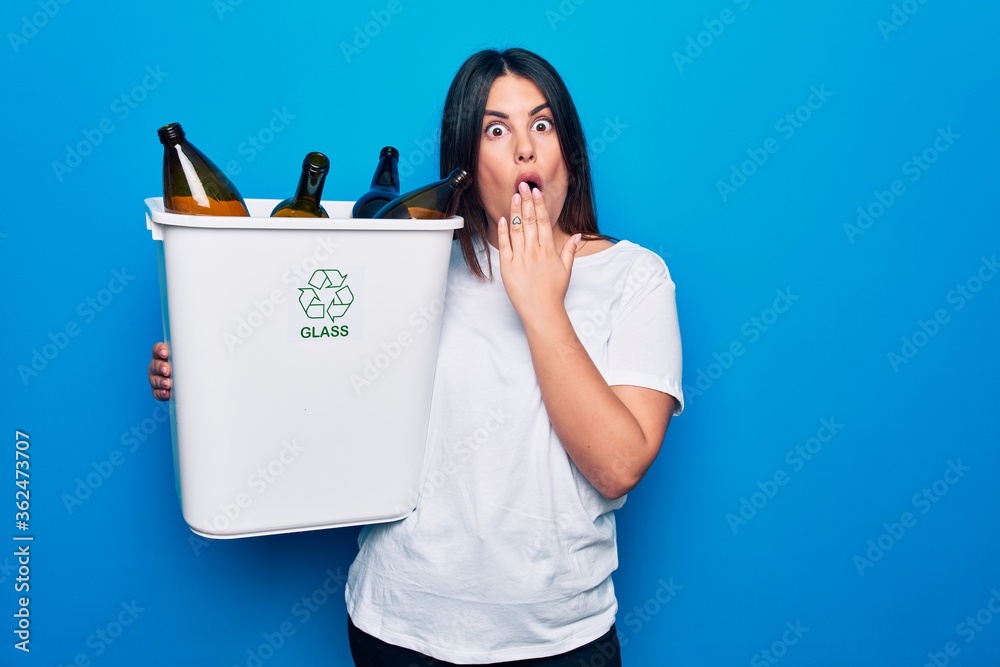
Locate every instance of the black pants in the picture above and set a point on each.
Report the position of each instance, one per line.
(369, 651)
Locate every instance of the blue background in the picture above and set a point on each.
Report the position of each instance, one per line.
(674, 97)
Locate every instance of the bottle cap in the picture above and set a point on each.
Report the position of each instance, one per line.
(460, 177)
(388, 151)
(170, 133)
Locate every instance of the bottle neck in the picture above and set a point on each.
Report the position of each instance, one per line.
(310, 186)
(387, 172)
(459, 180)
(314, 170)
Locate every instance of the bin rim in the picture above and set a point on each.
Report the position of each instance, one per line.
(156, 213)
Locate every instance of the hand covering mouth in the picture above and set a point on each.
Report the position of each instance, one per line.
(531, 178)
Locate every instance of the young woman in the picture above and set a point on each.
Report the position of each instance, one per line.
(558, 372)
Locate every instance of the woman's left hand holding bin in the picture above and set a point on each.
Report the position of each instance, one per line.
(159, 372)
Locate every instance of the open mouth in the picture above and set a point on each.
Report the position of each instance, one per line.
(532, 179)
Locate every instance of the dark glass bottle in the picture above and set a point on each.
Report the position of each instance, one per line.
(192, 184)
(306, 202)
(384, 188)
(433, 201)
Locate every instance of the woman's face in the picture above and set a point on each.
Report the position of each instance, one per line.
(518, 143)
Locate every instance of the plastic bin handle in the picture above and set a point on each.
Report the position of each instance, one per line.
(156, 229)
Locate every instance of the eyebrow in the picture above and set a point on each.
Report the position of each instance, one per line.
(500, 114)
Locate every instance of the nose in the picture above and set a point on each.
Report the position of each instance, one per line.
(524, 151)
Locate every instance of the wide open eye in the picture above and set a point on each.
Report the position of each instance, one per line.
(542, 125)
(496, 130)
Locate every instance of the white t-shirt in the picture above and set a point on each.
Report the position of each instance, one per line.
(510, 550)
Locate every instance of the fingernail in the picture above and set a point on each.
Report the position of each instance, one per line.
(517, 198)
(163, 369)
(523, 187)
(536, 193)
(503, 222)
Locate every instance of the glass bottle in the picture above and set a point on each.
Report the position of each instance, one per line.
(433, 201)
(309, 193)
(192, 184)
(384, 188)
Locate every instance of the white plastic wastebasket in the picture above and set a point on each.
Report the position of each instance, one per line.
(303, 355)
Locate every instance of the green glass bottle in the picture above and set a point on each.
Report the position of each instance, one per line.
(384, 187)
(431, 202)
(306, 201)
(192, 184)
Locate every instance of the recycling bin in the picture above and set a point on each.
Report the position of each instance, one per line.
(303, 354)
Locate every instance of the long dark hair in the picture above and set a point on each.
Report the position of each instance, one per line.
(461, 127)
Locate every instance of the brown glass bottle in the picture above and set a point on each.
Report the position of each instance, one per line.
(433, 201)
(384, 187)
(309, 193)
(192, 184)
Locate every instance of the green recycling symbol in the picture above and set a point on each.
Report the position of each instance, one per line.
(327, 294)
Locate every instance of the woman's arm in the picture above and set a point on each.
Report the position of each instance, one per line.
(613, 434)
